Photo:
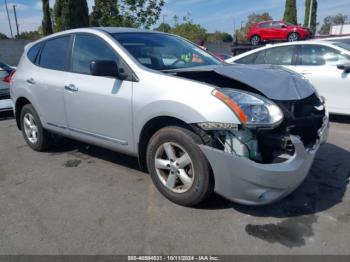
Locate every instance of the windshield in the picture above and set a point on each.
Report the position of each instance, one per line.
(343, 45)
(164, 52)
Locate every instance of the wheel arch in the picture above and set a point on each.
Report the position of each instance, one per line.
(150, 128)
(20, 103)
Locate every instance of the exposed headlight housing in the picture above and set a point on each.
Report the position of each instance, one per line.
(253, 110)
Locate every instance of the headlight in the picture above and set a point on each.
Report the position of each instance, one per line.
(251, 109)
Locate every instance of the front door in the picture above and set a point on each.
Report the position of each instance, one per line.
(99, 109)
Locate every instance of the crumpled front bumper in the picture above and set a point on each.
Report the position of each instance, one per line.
(244, 181)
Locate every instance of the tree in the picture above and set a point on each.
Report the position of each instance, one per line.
(218, 37)
(105, 13)
(132, 13)
(141, 13)
(46, 23)
(163, 27)
(30, 35)
(290, 12)
(253, 18)
(313, 14)
(71, 14)
(328, 21)
(3, 36)
(188, 29)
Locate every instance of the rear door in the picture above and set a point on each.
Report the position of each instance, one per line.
(318, 63)
(46, 81)
(99, 109)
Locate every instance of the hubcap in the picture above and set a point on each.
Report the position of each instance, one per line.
(174, 167)
(30, 128)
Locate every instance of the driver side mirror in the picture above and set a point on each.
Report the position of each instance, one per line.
(344, 67)
(107, 68)
(283, 26)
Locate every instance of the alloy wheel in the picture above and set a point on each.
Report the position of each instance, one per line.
(30, 128)
(174, 167)
(293, 37)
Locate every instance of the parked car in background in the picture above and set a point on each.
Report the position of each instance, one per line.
(341, 39)
(249, 133)
(277, 31)
(325, 63)
(5, 101)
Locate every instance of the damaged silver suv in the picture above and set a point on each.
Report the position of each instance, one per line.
(249, 133)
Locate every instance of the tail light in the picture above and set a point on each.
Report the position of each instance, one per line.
(8, 78)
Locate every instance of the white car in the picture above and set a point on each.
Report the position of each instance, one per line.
(325, 63)
(5, 101)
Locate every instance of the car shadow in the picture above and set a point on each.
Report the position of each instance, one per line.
(6, 115)
(65, 145)
(323, 188)
(342, 119)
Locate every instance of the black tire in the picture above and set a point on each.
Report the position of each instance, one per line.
(292, 37)
(255, 40)
(43, 136)
(203, 183)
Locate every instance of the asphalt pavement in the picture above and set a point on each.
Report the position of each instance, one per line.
(81, 199)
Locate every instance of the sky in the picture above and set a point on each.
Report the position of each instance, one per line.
(221, 15)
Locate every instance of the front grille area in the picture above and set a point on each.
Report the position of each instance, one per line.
(4, 94)
(303, 118)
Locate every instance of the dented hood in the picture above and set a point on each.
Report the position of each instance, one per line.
(275, 82)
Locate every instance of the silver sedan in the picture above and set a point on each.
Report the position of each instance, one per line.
(249, 133)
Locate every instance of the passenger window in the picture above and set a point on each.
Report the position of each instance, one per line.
(265, 25)
(55, 53)
(33, 52)
(317, 55)
(279, 55)
(88, 48)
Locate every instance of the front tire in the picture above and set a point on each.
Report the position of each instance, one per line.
(178, 168)
(33, 132)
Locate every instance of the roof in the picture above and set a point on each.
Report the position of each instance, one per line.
(115, 30)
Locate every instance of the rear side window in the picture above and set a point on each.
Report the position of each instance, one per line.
(33, 52)
(265, 25)
(55, 53)
(249, 59)
(279, 55)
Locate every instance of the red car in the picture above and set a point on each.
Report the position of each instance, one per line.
(277, 31)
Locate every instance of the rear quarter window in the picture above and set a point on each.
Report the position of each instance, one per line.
(33, 52)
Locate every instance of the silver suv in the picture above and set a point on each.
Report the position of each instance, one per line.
(249, 133)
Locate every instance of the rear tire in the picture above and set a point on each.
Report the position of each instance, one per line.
(178, 168)
(292, 37)
(255, 40)
(34, 133)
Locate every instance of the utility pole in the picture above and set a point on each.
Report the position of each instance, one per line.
(8, 17)
(164, 16)
(15, 13)
(310, 13)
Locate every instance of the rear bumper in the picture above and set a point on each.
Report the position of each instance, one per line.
(244, 181)
(6, 105)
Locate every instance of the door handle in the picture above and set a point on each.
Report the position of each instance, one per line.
(305, 72)
(71, 88)
(31, 81)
